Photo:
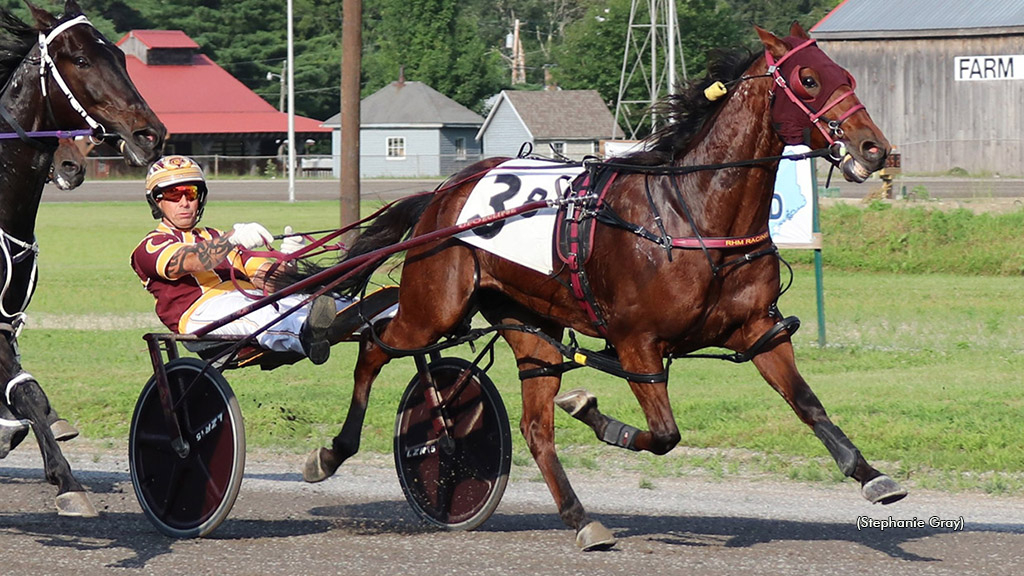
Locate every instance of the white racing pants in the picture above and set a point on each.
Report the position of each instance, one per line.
(280, 337)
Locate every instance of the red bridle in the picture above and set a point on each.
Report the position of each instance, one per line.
(832, 131)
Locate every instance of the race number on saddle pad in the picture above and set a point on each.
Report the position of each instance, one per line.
(525, 239)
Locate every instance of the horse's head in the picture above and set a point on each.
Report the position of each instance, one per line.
(86, 81)
(812, 91)
(68, 169)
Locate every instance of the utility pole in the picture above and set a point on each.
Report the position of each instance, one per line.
(518, 57)
(652, 33)
(281, 77)
(291, 104)
(351, 64)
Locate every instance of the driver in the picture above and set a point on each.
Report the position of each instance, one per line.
(199, 275)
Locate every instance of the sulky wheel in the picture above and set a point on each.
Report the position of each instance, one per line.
(455, 484)
(188, 496)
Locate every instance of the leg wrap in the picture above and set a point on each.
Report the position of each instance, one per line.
(618, 434)
(18, 379)
(839, 446)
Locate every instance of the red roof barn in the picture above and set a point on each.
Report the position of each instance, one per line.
(207, 111)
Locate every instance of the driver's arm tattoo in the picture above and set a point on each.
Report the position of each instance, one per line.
(199, 257)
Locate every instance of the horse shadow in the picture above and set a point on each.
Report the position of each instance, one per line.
(683, 531)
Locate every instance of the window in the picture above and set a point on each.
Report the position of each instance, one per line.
(460, 148)
(558, 148)
(396, 148)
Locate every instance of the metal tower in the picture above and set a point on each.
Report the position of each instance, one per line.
(653, 56)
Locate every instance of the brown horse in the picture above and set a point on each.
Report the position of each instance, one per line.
(680, 260)
(67, 171)
(58, 75)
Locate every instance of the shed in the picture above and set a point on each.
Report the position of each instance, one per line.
(943, 79)
(408, 129)
(570, 123)
(207, 111)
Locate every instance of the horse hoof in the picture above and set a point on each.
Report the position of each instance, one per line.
(63, 430)
(595, 536)
(75, 504)
(316, 468)
(883, 490)
(575, 401)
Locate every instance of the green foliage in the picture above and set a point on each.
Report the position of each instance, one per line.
(880, 237)
(435, 41)
(457, 47)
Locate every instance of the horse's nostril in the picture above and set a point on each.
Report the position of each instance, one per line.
(872, 151)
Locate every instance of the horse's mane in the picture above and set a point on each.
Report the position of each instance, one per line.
(688, 110)
(16, 39)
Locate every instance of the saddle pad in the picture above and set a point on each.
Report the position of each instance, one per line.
(526, 239)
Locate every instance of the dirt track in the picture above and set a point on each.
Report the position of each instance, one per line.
(359, 523)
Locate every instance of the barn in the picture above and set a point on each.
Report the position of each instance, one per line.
(944, 79)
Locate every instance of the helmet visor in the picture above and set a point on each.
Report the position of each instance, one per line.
(177, 192)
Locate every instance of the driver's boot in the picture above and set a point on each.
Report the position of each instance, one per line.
(313, 335)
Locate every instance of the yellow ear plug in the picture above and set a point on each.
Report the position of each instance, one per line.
(715, 91)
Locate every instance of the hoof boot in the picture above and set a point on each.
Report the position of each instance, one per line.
(595, 536)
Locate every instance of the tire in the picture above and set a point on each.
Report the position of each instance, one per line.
(188, 497)
(458, 488)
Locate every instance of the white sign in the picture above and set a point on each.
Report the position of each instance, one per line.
(1003, 67)
(791, 221)
(525, 239)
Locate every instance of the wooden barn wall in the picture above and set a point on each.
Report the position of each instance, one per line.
(937, 122)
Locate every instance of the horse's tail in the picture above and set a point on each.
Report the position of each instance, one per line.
(388, 228)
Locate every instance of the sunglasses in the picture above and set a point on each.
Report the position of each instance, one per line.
(175, 193)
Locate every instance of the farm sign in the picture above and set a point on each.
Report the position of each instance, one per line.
(1004, 67)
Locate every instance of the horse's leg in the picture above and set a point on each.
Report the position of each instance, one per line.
(424, 315)
(28, 400)
(323, 462)
(662, 434)
(778, 366)
(533, 355)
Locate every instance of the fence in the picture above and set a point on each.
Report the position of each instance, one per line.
(310, 166)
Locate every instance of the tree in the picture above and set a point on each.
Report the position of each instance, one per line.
(777, 15)
(593, 52)
(434, 42)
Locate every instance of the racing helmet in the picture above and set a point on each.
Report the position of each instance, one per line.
(170, 171)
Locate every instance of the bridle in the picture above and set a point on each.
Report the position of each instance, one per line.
(832, 131)
(48, 68)
(47, 65)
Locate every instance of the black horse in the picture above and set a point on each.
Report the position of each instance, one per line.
(59, 74)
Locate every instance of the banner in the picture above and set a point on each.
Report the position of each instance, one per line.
(791, 221)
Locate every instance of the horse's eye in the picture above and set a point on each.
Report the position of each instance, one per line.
(81, 62)
(809, 83)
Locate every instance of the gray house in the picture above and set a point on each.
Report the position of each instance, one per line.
(408, 129)
(944, 79)
(570, 123)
